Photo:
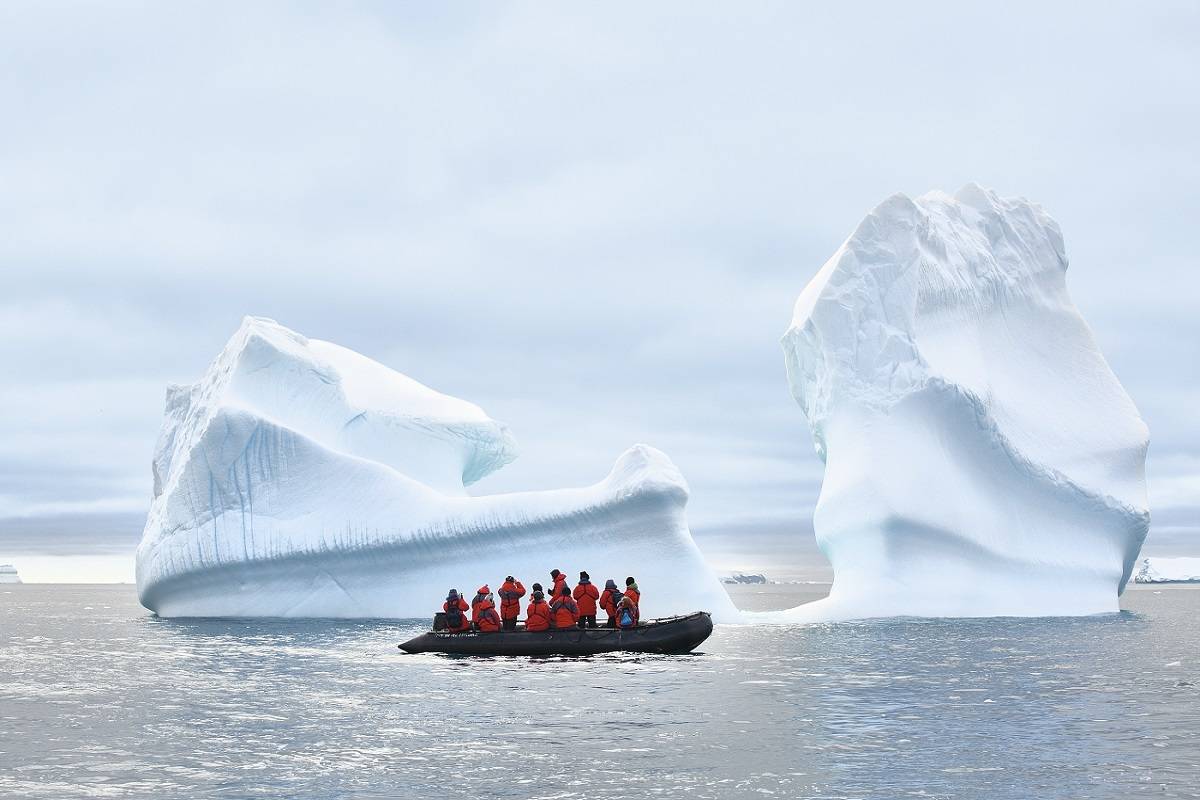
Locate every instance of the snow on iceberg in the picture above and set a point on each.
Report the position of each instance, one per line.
(1168, 570)
(301, 479)
(981, 458)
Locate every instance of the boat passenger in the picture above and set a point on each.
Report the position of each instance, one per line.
(537, 615)
(632, 591)
(511, 592)
(564, 613)
(627, 613)
(456, 612)
(560, 582)
(586, 594)
(479, 597)
(487, 620)
(608, 601)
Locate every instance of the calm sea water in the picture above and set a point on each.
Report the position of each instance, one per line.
(99, 699)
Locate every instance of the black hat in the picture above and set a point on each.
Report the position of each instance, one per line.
(537, 587)
(583, 576)
(630, 581)
(554, 573)
(509, 579)
(537, 594)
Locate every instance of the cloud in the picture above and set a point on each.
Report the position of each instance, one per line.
(90, 532)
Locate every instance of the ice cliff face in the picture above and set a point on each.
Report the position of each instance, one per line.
(299, 478)
(980, 456)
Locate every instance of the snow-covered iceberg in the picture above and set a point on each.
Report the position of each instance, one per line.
(299, 478)
(1168, 570)
(981, 458)
(8, 574)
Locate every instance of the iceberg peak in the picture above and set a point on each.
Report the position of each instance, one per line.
(344, 401)
(643, 468)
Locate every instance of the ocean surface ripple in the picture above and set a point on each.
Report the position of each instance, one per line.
(100, 699)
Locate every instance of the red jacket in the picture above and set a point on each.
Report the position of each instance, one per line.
(559, 583)
(487, 620)
(461, 605)
(564, 612)
(609, 599)
(586, 595)
(478, 600)
(510, 599)
(537, 615)
(633, 594)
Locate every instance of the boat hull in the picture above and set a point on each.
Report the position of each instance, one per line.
(673, 635)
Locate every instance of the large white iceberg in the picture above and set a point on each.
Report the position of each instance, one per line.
(299, 478)
(981, 458)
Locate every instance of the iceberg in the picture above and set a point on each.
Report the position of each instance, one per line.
(739, 578)
(981, 458)
(1168, 570)
(8, 574)
(298, 478)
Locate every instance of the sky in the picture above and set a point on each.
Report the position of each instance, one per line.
(591, 220)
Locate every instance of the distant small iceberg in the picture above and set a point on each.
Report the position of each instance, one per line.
(759, 579)
(1167, 570)
(742, 578)
(8, 574)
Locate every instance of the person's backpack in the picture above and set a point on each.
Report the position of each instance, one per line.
(454, 617)
(625, 618)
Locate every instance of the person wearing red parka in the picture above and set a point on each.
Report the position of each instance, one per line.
(608, 601)
(511, 593)
(456, 613)
(477, 601)
(486, 618)
(632, 591)
(537, 615)
(560, 581)
(564, 613)
(586, 594)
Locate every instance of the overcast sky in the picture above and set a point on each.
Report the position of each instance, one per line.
(591, 220)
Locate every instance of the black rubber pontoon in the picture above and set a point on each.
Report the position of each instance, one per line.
(670, 635)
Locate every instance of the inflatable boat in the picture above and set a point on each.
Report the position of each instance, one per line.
(670, 635)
